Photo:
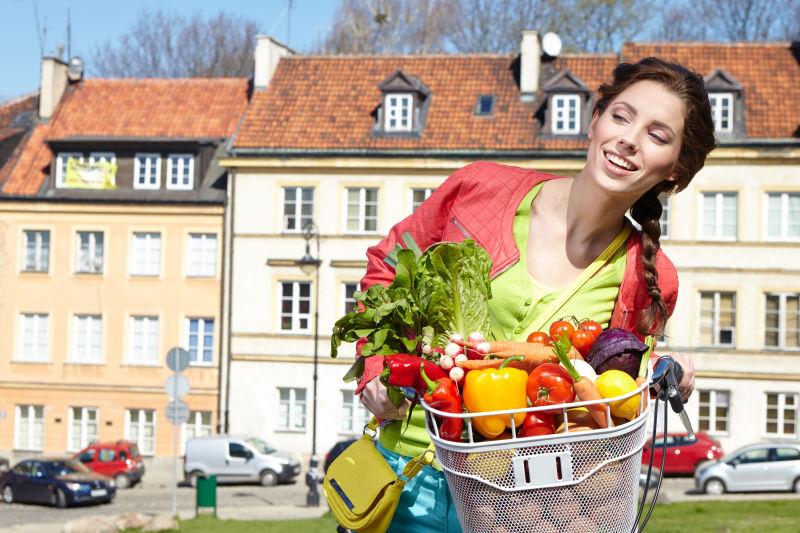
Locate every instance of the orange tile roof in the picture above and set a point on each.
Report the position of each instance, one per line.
(26, 169)
(327, 103)
(10, 111)
(769, 74)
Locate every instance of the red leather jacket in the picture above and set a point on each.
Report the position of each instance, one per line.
(479, 202)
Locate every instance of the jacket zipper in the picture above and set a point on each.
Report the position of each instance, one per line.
(461, 228)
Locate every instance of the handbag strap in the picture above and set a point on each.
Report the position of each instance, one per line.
(413, 467)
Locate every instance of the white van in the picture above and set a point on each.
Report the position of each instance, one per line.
(237, 460)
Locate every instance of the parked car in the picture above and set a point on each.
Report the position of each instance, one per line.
(653, 481)
(684, 453)
(236, 460)
(58, 482)
(119, 460)
(3, 465)
(335, 450)
(758, 467)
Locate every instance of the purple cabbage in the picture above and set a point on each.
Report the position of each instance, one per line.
(617, 349)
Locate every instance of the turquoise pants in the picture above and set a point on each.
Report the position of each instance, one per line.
(425, 503)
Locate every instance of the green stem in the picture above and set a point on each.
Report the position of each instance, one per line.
(431, 384)
(646, 356)
(509, 359)
(561, 348)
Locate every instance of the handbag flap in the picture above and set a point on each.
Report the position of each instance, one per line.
(359, 475)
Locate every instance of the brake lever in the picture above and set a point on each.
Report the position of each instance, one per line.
(667, 375)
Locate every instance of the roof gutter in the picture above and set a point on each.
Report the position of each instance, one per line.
(302, 152)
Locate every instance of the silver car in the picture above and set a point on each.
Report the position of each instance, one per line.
(758, 467)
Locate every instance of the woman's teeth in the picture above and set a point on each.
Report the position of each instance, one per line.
(619, 161)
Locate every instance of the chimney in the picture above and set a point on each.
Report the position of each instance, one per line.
(268, 53)
(54, 82)
(529, 63)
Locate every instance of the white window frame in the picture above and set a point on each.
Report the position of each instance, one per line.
(141, 180)
(560, 112)
(345, 298)
(666, 205)
(298, 208)
(199, 429)
(40, 343)
(293, 411)
(354, 415)
(96, 264)
(716, 329)
(781, 421)
(41, 253)
(28, 442)
(426, 193)
(86, 331)
(394, 104)
(85, 437)
(201, 324)
(141, 425)
(719, 211)
(784, 216)
(61, 166)
(716, 100)
(362, 210)
(146, 268)
(177, 184)
(713, 404)
(201, 255)
(109, 157)
(151, 325)
(295, 314)
(782, 319)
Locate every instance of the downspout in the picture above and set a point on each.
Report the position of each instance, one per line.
(223, 425)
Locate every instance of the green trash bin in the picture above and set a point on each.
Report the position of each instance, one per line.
(206, 495)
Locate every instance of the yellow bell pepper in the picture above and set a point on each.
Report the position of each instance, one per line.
(496, 389)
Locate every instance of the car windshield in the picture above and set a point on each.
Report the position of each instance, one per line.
(260, 445)
(62, 468)
(134, 451)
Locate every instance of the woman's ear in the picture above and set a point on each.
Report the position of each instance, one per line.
(592, 124)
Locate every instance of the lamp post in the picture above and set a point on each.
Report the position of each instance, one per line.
(310, 265)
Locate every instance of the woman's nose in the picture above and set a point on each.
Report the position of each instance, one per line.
(627, 145)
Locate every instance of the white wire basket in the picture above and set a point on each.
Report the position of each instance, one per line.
(579, 481)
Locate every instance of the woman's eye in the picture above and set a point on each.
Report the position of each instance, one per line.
(617, 116)
(659, 139)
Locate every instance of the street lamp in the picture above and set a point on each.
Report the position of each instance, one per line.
(310, 265)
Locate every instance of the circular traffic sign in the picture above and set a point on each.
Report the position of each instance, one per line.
(177, 359)
(177, 412)
(176, 386)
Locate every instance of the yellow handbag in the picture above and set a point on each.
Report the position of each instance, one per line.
(361, 488)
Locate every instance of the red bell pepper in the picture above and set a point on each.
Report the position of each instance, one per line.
(538, 423)
(402, 370)
(442, 394)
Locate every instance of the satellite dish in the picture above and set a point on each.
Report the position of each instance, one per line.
(551, 44)
(75, 69)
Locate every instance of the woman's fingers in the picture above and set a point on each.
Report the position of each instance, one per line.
(686, 386)
(376, 399)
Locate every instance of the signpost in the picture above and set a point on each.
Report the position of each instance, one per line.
(177, 411)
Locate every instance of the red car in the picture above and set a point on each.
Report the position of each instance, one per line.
(684, 454)
(118, 460)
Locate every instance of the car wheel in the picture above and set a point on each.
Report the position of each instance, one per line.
(796, 486)
(8, 494)
(269, 478)
(715, 487)
(123, 481)
(193, 477)
(59, 499)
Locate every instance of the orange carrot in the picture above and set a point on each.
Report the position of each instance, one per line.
(528, 350)
(481, 364)
(585, 389)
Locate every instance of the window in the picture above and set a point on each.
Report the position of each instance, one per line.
(102, 157)
(418, 196)
(198, 425)
(202, 255)
(485, 104)
(783, 215)
(787, 454)
(349, 301)
(144, 340)
(180, 171)
(61, 165)
(566, 113)
(146, 260)
(781, 419)
(29, 427)
(147, 171)
(295, 306)
(292, 409)
(82, 428)
(201, 340)
(37, 250)
(34, 337)
(87, 333)
(140, 427)
(719, 215)
(107, 455)
(354, 415)
(239, 451)
(362, 209)
(90, 252)
(714, 410)
(782, 321)
(298, 207)
(722, 111)
(753, 456)
(664, 220)
(717, 318)
(399, 108)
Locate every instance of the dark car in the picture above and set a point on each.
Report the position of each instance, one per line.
(684, 453)
(58, 482)
(118, 460)
(3, 465)
(335, 450)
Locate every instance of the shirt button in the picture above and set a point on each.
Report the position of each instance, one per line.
(518, 330)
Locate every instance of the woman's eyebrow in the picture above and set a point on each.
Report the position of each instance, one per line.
(655, 122)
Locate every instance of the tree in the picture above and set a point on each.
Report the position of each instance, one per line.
(171, 45)
(597, 25)
(678, 22)
(745, 20)
(493, 26)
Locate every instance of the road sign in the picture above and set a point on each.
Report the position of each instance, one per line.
(177, 359)
(177, 412)
(176, 386)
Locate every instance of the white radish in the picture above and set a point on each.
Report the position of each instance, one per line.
(476, 336)
(457, 374)
(460, 358)
(457, 337)
(426, 349)
(452, 349)
(446, 362)
(483, 347)
(584, 369)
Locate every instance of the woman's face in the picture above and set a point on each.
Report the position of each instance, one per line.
(635, 142)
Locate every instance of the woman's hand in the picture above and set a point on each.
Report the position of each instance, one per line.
(686, 385)
(376, 400)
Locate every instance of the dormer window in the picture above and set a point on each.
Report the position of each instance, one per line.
(147, 171)
(399, 112)
(566, 113)
(566, 107)
(722, 111)
(485, 104)
(726, 96)
(180, 171)
(403, 107)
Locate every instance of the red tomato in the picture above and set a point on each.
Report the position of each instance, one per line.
(560, 327)
(550, 384)
(540, 337)
(591, 326)
(538, 424)
(582, 340)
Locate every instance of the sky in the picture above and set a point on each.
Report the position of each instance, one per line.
(96, 21)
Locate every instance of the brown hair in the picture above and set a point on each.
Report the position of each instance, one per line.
(696, 143)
